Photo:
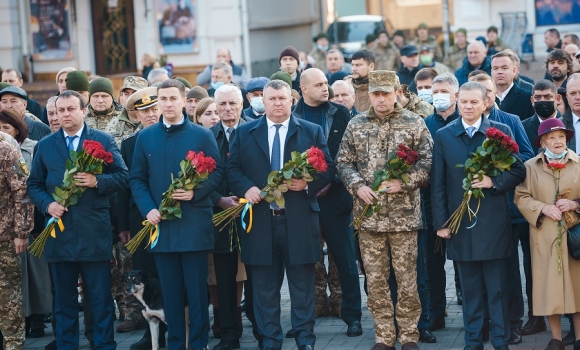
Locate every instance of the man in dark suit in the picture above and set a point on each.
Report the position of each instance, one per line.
(86, 242)
(570, 118)
(181, 251)
(258, 148)
(225, 253)
(544, 99)
(334, 200)
(511, 97)
(143, 106)
(482, 262)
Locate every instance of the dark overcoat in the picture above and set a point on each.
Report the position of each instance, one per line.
(491, 237)
(518, 102)
(87, 233)
(249, 165)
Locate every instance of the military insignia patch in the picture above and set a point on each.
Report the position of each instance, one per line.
(23, 166)
(146, 99)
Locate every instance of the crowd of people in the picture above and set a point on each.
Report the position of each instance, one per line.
(392, 94)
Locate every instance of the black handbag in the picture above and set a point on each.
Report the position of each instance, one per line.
(574, 241)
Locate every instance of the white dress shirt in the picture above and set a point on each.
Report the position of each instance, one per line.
(282, 132)
(167, 125)
(227, 127)
(504, 94)
(476, 125)
(576, 123)
(76, 140)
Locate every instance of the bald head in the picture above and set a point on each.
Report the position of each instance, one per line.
(223, 55)
(476, 52)
(314, 86)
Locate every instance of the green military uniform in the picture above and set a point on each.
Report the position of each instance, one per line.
(417, 105)
(330, 279)
(319, 57)
(120, 127)
(498, 45)
(365, 147)
(100, 120)
(432, 43)
(16, 220)
(455, 56)
(386, 58)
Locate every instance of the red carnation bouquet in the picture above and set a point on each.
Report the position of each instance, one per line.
(491, 158)
(398, 165)
(301, 166)
(89, 160)
(195, 169)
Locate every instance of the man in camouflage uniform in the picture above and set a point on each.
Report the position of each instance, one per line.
(318, 52)
(16, 219)
(458, 51)
(413, 103)
(386, 54)
(106, 114)
(391, 234)
(425, 39)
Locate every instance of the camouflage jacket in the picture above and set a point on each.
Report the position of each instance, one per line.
(432, 43)
(16, 209)
(100, 120)
(455, 56)
(366, 144)
(120, 127)
(387, 58)
(319, 57)
(418, 106)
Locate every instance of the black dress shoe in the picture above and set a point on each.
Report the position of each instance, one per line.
(471, 347)
(515, 336)
(227, 345)
(437, 324)
(290, 334)
(354, 329)
(306, 347)
(459, 297)
(535, 324)
(485, 331)
(501, 347)
(426, 336)
(569, 338)
(51, 345)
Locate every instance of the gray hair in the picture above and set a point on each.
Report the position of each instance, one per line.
(447, 78)
(573, 76)
(475, 86)
(52, 100)
(226, 89)
(225, 67)
(155, 74)
(278, 85)
(342, 82)
(478, 43)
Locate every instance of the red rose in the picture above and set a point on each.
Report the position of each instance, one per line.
(190, 155)
(91, 146)
(316, 159)
(201, 162)
(401, 155)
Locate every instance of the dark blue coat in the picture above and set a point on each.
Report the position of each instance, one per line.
(518, 101)
(87, 234)
(462, 73)
(249, 165)
(491, 237)
(158, 152)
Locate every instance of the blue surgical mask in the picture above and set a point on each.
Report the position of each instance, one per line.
(217, 84)
(257, 104)
(426, 95)
(322, 48)
(302, 65)
(551, 155)
(441, 101)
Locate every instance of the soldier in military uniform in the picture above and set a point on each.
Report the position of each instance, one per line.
(389, 236)
(425, 39)
(16, 219)
(319, 51)
(387, 55)
(413, 103)
(103, 108)
(458, 51)
(130, 85)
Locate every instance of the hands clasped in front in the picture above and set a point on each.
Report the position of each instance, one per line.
(554, 211)
(367, 194)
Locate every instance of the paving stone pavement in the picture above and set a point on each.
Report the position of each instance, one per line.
(331, 331)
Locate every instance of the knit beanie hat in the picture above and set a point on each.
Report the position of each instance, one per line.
(462, 30)
(101, 85)
(197, 92)
(282, 76)
(77, 81)
(289, 51)
(184, 82)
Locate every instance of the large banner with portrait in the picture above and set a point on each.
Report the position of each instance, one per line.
(557, 12)
(49, 27)
(177, 26)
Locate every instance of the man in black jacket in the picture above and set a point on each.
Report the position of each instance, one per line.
(334, 200)
(510, 97)
(14, 77)
(409, 67)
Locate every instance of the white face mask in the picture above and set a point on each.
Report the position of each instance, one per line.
(426, 95)
(302, 65)
(257, 104)
(441, 101)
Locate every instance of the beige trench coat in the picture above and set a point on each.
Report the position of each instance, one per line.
(553, 293)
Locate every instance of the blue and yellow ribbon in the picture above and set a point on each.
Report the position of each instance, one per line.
(153, 234)
(247, 207)
(58, 222)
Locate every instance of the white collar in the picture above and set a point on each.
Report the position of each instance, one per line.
(271, 123)
(78, 133)
(504, 94)
(170, 125)
(476, 125)
(575, 118)
(227, 127)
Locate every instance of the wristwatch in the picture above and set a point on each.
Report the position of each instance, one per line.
(96, 182)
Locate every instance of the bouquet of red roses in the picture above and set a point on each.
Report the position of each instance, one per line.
(194, 170)
(398, 165)
(301, 166)
(491, 158)
(89, 160)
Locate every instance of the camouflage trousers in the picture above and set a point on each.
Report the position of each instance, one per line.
(11, 311)
(377, 248)
(328, 279)
(128, 305)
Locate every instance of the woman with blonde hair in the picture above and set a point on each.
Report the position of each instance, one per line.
(205, 113)
(148, 61)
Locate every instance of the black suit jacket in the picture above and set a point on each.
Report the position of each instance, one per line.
(249, 165)
(129, 219)
(518, 102)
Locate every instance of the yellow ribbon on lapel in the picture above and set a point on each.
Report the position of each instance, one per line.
(247, 207)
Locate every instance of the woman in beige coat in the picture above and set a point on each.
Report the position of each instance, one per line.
(554, 292)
